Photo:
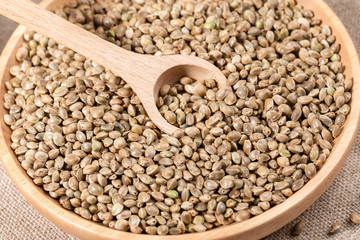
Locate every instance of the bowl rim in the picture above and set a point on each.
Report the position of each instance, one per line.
(254, 228)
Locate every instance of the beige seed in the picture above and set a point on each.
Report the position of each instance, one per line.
(58, 139)
(305, 99)
(117, 209)
(199, 228)
(170, 117)
(335, 227)
(310, 170)
(95, 189)
(97, 112)
(60, 91)
(192, 131)
(143, 197)
(72, 159)
(355, 218)
(242, 215)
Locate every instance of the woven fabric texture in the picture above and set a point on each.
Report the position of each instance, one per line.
(19, 220)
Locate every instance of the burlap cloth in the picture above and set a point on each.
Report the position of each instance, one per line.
(19, 220)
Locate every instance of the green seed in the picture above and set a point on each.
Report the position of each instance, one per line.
(210, 25)
(234, 5)
(172, 194)
(126, 16)
(96, 145)
(284, 153)
(259, 23)
(330, 90)
(335, 58)
(93, 209)
(284, 33)
(111, 33)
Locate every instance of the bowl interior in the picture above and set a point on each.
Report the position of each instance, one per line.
(255, 227)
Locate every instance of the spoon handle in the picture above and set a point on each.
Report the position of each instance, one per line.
(107, 54)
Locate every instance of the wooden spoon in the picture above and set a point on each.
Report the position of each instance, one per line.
(145, 74)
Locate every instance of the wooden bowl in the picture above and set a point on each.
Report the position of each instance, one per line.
(254, 228)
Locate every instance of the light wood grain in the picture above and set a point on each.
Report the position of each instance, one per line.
(253, 228)
(145, 74)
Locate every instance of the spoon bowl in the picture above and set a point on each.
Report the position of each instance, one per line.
(173, 68)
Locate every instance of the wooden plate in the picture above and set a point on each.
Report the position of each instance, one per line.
(254, 228)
